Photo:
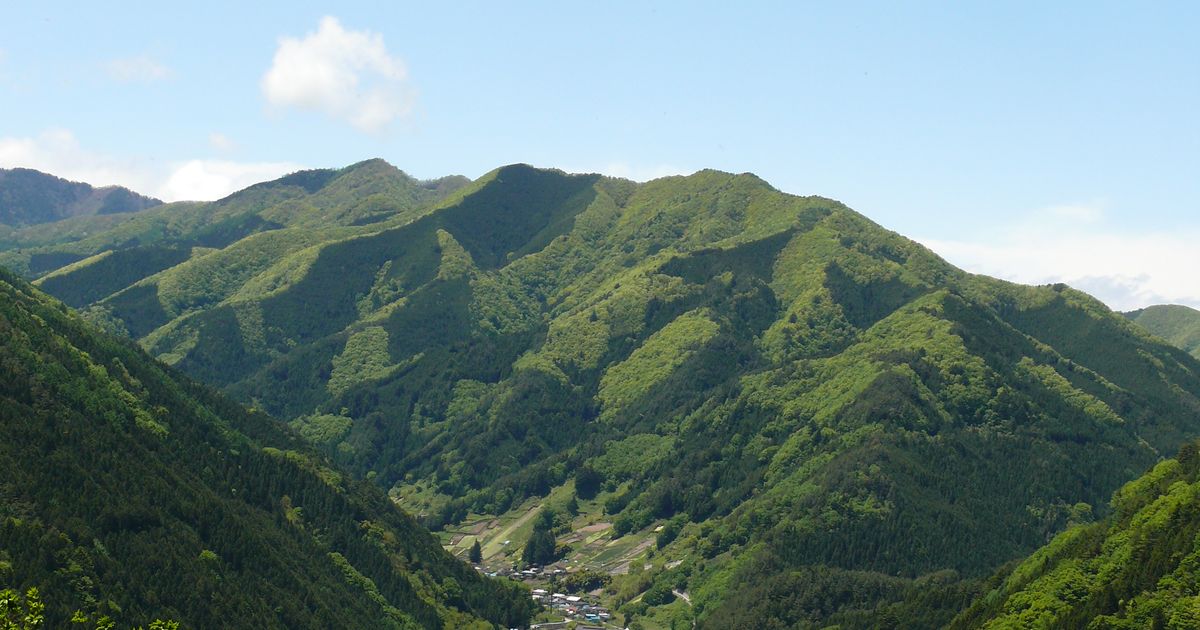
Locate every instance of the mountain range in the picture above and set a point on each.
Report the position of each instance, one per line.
(29, 197)
(763, 401)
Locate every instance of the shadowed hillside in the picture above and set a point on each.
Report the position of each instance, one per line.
(132, 493)
(832, 423)
(1134, 569)
(29, 197)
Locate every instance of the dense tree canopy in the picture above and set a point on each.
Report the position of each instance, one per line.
(829, 423)
(129, 492)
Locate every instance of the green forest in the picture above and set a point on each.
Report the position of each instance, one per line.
(814, 420)
(1175, 323)
(1136, 568)
(133, 495)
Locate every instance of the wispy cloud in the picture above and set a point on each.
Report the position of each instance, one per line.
(1074, 244)
(138, 69)
(221, 142)
(346, 74)
(59, 153)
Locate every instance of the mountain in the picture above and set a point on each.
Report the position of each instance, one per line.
(29, 197)
(764, 401)
(131, 492)
(1176, 323)
(1134, 569)
(370, 192)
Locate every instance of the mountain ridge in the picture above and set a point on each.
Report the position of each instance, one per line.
(1178, 324)
(28, 196)
(800, 395)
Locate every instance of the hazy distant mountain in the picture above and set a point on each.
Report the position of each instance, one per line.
(131, 492)
(317, 204)
(806, 418)
(29, 197)
(1177, 324)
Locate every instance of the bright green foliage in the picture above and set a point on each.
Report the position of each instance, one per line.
(1138, 568)
(830, 423)
(21, 613)
(365, 358)
(1178, 324)
(654, 361)
(322, 429)
(128, 494)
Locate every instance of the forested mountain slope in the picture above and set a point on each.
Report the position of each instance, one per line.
(1176, 323)
(1135, 569)
(834, 425)
(129, 492)
(29, 197)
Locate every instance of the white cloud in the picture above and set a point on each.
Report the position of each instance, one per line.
(221, 142)
(59, 153)
(56, 151)
(139, 69)
(639, 173)
(213, 179)
(348, 75)
(1125, 269)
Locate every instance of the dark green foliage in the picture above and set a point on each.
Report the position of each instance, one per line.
(813, 596)
(476, 553)
(658, 595)
(521, 213)
(587, 482)
(583, 581)
(230, 230)
(138, 309)
(541, 547)
(131, 492)
(42, 263)
(111, 273)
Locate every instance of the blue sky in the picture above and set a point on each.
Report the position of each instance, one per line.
(1034, 141)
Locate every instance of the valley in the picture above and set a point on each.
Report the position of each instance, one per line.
(697, 385)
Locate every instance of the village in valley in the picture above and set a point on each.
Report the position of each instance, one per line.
(576, 609)
(579, 588)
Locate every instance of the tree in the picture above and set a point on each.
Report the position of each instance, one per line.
(541, 547)
(587, 482)
(16, 614)
(476, 553)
